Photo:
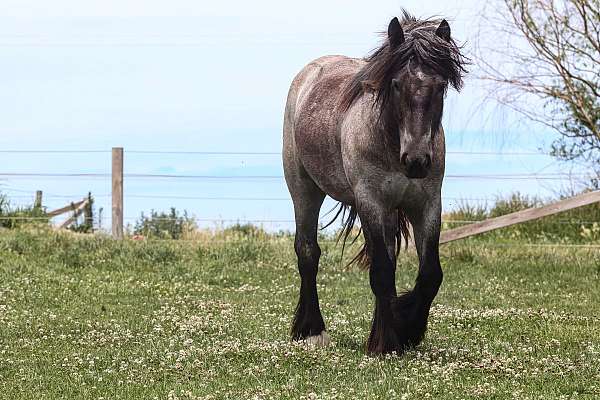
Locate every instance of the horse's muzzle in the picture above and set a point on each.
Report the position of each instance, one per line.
(415, 167)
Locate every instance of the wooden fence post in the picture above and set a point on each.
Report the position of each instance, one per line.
(117, 193)
(88, 215)
(38, 200)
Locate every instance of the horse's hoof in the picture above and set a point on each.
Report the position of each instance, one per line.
(321, 340)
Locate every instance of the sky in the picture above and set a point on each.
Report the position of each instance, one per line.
(189, 76)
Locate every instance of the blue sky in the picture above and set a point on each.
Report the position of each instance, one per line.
(198, 76)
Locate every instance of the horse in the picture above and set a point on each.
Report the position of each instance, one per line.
(368, 133)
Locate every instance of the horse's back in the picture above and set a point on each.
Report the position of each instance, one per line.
(312, 115)
(327, 72)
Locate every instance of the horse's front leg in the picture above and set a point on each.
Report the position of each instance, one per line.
(380, 225)
(411, 309)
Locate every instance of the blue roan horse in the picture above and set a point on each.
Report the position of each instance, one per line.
(368, 133)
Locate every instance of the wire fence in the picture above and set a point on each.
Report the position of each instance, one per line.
(479, 244)
(216, 198)
(249, 153)
(449, 221)
(223, 178)
(517, 176)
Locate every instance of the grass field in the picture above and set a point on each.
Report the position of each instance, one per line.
(90, 318)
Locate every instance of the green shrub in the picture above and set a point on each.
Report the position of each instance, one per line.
(11, 218)
(85, 224)
(161, 225)
(513, 203)
(247, 229)
(3, 203)
(465, 212)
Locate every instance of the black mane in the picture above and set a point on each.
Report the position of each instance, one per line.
(421, 47)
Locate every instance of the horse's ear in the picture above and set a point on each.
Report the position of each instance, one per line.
(395, 33)
(443, 30)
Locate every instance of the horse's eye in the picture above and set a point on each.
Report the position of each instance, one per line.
(396, 84)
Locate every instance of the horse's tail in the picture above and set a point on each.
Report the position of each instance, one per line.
(349, 216)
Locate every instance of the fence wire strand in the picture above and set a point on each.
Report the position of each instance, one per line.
(549, 176)
(515, 176)
(237, 153)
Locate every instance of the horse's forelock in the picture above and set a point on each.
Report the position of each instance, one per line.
(422, 46)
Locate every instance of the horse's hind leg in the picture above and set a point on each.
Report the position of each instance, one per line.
(307, 197)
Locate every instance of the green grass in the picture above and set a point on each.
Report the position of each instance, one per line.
(88, 318)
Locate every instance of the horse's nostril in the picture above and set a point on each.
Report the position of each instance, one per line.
(403, 158)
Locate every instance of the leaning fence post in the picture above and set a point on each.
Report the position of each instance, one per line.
(38, 200)
(117, 192)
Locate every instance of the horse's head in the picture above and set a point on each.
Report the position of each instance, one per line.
(407, 78)
(416, 102)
